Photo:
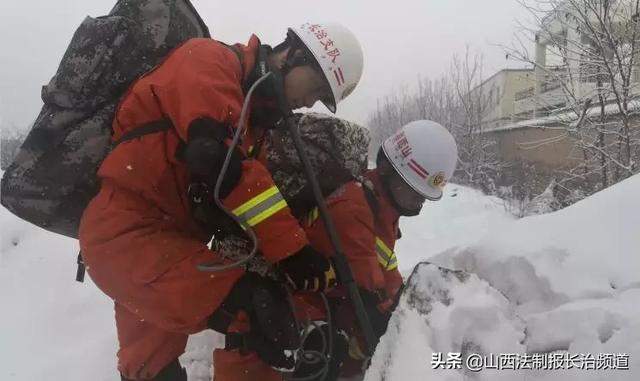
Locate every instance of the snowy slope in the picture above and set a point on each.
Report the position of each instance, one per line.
(572, 277)
(558, 273)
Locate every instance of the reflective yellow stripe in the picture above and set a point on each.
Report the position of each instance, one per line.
(261, 207)
(391, 266)
(380, 243)
(255, 201)
(313, 216)
(267, 213)
(386, 257)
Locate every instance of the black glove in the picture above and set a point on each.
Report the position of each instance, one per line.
(347, 319)
(273, 331)
(379, 319)
(205, 152)
(308, 270)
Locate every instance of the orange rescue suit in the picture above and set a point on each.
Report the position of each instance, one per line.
(138, 238)
(368, 236)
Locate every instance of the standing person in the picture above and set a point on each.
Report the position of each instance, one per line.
(142, 238)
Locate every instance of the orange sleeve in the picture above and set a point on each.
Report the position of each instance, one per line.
(201, 79)
(204, 81)
(354, 223)
(257, 201)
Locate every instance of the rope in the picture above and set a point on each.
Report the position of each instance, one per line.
(216, 192)
(313, 357)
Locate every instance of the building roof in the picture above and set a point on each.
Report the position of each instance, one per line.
(568, 117)
(500, 72)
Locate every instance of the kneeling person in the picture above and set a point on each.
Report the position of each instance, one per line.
(413, 165)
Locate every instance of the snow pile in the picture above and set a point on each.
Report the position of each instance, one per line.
(444, 311)
(572, 276)
(459, 219)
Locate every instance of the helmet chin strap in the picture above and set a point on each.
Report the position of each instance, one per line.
(273, 86)
(385, 180)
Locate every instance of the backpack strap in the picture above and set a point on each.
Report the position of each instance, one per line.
(81, 268)
(371, 197)
(146, 129)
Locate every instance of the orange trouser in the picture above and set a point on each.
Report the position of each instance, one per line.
(146, 349)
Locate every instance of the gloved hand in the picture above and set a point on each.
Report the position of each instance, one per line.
(378, 308)
(308, 270)
(379, 319)
(205, 152)
(273, 333)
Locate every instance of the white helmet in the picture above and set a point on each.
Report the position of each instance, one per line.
(338, 53)
(425, 154)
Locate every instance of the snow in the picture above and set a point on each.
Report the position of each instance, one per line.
(565, 281)
(572, 277)
(464, 314)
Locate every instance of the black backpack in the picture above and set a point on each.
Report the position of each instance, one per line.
(53, 176)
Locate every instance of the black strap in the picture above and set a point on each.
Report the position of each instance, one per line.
(146, 129)
(81, 268)
(221, 319)
(372, 199)
(239, 341)
(149, 128)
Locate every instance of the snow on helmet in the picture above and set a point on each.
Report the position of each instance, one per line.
(425, 154)
(339, 55)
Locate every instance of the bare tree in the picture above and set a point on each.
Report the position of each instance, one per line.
(478, 159)
(587, 80)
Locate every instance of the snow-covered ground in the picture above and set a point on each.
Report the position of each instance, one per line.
(567, 281)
